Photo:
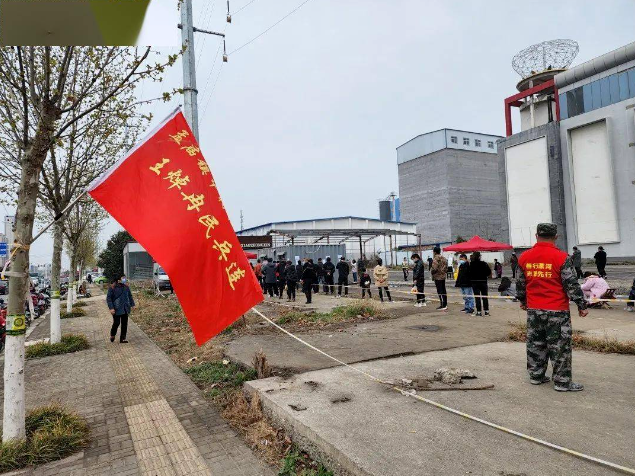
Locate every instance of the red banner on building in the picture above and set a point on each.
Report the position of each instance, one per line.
(164, 194)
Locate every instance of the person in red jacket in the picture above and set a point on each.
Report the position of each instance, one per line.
(546, 282)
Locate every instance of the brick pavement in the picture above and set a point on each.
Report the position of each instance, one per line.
(146, 416)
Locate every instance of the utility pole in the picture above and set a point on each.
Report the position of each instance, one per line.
(242, 227)
(190, 92)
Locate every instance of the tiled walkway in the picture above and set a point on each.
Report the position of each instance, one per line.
(146, 416)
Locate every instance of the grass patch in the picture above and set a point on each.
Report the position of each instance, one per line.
(52, 433)
(582, 342)
(70, 343)
(217, 378)
(75, 312)
(298, 463)
(80, 304)
(356, 310)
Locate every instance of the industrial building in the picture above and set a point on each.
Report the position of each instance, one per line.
(448, 185)
(575, 165)
(339, 236)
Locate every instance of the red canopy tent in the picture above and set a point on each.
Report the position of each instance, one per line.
(478, 244)
(251, 255)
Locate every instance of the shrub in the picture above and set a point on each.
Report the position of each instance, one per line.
(298, 463)
(80, 304)
(75, 312)
(52, 433)
(70, 343)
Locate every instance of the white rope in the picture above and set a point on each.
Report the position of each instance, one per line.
(583, 456)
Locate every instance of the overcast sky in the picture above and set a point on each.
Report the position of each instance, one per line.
(304, 122)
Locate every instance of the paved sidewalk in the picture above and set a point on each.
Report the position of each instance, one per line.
(146, 416)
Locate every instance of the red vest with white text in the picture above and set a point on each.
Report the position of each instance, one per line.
(541, 265)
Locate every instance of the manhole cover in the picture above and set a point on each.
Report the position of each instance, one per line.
(424, 328)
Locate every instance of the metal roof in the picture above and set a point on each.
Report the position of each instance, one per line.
(322, 220)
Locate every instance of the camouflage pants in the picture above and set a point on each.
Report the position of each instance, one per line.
(549, 338)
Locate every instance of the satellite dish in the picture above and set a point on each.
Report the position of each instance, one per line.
(545, 56)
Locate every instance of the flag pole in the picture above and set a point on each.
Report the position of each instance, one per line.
(59, 215)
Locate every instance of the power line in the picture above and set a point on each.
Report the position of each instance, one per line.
(272, 26)
(206, 21)
(209, 76)
(213, 88)
(243, 7)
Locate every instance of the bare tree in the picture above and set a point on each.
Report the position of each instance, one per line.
(44, 92)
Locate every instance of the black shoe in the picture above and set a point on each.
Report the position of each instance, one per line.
(487, 313)
(535, 381)
(572, 387)
(478, 313)
(123, 341)
(112, 338)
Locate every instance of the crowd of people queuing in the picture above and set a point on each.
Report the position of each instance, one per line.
(471, 278)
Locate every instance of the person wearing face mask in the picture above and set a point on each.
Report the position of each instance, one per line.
(120, 303)
(465, 284)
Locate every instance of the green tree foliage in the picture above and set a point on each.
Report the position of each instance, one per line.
(111, 259)
(460, 239)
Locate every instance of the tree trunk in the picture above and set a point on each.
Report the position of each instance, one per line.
(56, 267)
(70, 295)
(14, 405)
(14, 400)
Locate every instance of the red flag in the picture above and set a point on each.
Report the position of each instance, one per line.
(163, 192)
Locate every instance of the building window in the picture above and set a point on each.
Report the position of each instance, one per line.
(466, 141)
(477, 142)
(454, 139)
(490, 144)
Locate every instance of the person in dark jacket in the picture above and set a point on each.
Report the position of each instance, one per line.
(269, 277)
(319, 272)
(576, 258)
(343, 269)
(329, 272)
(280, 269)
(464, 282)
(630, 306)
(120, 302)
(298, 272)
(513, 262)
(291, 278)
(309, 277)
(430, 262)
(480, 272)
(364, 282)
(498, 269)
(600, 261)
(419, 279)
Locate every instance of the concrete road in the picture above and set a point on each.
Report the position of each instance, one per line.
(360, 427)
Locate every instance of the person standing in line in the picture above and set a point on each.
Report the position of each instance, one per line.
(405, 267)
(600, 261)
(329, 272)
(280, 268)
(364, 282)
(513, 262)
(258, 273)
(319, 272)
(480, 272)
(269, 277)
(291, 277)
(380, 273)
(419, 279)
(439, 271)
(576, 258)
(120, 302)
(308, 278)
(630, 305)
(429, 263)
(342, 276)
(298, 273)
(498, 269)
(546, 282)
(465, 284)
(354, 270)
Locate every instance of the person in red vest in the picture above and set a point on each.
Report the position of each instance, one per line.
(546, 282)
